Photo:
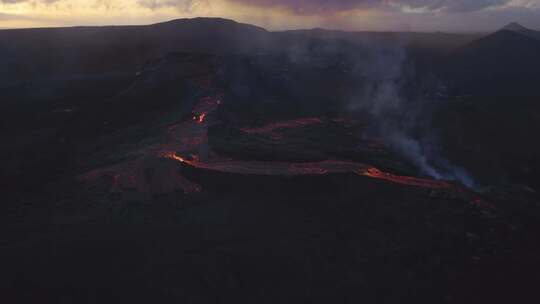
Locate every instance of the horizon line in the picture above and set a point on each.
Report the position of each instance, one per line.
(255, 25)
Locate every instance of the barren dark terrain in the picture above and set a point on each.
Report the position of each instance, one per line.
(207, 161)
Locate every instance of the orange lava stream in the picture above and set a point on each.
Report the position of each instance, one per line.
(325, 167)
(190, 138)
(267, 168)
(199, 118)
(173, 156)
(404, 180)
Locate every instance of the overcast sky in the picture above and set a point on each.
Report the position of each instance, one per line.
(383, 15)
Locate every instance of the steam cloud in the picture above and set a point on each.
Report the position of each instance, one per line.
(401, 117)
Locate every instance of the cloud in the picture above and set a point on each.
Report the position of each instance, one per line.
(452, 5)
(415, 15)
(315, 7)
(22, 1)
(155, 4)
(8, 16)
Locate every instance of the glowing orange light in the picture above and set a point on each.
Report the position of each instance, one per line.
(405, 180)
(199, 118)
(373, 172)
(178, 158)
(202, 117)
(173, 155)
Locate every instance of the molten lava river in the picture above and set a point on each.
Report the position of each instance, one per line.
(188, 146)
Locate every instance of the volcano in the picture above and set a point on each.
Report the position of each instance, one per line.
(515, 27)
(518, 28)
(205, 161)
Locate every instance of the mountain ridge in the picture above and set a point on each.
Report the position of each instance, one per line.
(514, 26)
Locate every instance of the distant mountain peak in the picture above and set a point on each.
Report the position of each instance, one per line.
(208, 21)
(514, 26)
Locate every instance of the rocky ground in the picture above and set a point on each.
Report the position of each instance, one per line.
(174, 194)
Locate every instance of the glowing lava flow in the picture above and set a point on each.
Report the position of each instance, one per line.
(190, 137)
(267, 168)
(404, 180)
(460, 191)
(174, 156)
(199, 118)
(326, 167)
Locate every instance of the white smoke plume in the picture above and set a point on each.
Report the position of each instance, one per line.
(401, 118)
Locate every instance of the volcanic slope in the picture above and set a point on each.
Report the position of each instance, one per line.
(156, 213)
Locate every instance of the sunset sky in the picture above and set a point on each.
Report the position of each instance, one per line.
(383, 15)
